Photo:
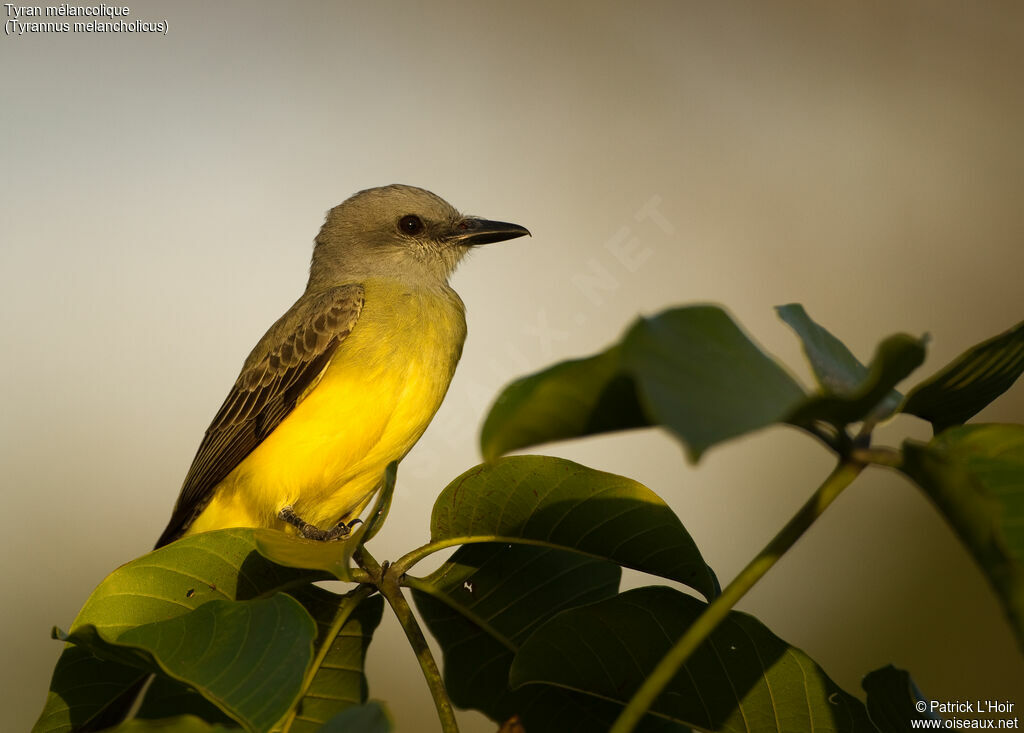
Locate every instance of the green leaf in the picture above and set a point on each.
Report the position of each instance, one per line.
(184, 575)
(290, 551)
(896, 357)
(177, 724)
(556, 503)
(690, 369)
(82, 687)
(967, 384)
(894, 700)
(345, 622)
(574, 398)
(701, 377)
(975, 476)
(484, 602)
(339, 682)
(158, 586)
(744, 678)
(247, 657)
(836, 369)
(853, 391)
(373, 717)
(167, 698)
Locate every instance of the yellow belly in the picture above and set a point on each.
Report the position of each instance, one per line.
(375, 399)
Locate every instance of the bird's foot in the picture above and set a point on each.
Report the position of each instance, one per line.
(311, 532)
(341, 530)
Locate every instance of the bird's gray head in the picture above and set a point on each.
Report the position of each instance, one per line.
(400, 232)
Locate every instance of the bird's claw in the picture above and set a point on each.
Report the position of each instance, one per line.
(310, 531)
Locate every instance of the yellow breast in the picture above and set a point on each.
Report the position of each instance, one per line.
(375, 399)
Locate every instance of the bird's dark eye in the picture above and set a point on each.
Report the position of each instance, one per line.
(410, 224)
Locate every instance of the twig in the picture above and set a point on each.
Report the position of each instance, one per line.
(716, 612)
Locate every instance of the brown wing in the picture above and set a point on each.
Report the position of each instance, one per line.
(286, 362)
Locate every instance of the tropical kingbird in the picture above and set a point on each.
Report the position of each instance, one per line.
(347, 379)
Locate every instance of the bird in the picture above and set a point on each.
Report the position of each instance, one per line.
(347, 380)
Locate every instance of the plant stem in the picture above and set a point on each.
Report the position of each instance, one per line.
(719, 608)
(392, 592)
(879, 456)
(387, 579)
(833, 437)
(361, 576)
(405, 562)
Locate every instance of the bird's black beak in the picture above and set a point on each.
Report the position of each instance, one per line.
(470, 232)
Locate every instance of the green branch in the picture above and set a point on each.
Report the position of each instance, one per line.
(405, 562)
(718, 609)
(387, 579)
(391, 591)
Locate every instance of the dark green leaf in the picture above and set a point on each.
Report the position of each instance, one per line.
(247, 657)
(82, 687)
(744, 678)
(894, 700)
(484, 602)
(373, 717)
(168, 698)
(836, 369)
(862, 392)
(690, 369)
(963, 387)
(340, 681)
(975, 476)
(563, 505)
(574, 398)
(156, 587)
(178, 724)
(896, 357)
(701, 377)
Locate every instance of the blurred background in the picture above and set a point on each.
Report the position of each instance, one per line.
(160, 195)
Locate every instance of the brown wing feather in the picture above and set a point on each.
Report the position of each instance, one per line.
(286, 362)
